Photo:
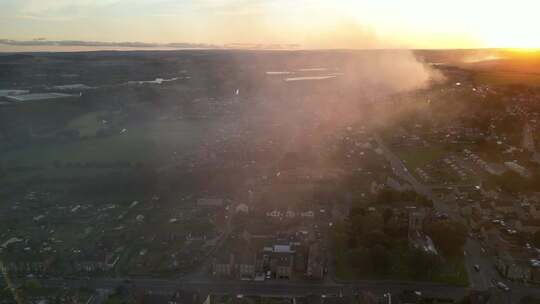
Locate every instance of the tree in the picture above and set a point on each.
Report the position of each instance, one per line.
(380, 259)
(32, 284)
(449, 236)
(388, 213)
(423, 263)
(536, 239)
(375, 237)
(529, 300)
(363, 224)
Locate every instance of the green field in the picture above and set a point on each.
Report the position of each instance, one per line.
(402, 265)
(87, 124)
(420, 156)
(145, 142)
(122, 147)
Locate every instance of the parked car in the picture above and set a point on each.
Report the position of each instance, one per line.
(500, 285)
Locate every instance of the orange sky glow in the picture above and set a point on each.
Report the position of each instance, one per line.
(346, 24)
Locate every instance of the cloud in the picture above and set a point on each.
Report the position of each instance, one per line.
(43, 42)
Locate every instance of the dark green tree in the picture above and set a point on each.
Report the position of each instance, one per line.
(536, 239)
(449, 236)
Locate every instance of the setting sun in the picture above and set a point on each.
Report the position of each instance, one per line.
(348, 24)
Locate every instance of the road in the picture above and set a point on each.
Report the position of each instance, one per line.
(268, 288)
(479, 280)
(401, 171)
(286, 288)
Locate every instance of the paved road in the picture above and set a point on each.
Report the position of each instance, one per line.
(268, 288)
(288, 288)
(479, 280)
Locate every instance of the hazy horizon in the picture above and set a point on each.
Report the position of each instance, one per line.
(311, 24)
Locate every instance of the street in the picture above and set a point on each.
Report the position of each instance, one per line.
(478, 280)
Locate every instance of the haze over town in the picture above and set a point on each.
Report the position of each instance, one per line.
(269, 152)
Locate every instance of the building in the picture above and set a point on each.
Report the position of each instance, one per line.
(245, 264)
(518, 169)
(242, 208)
(283, 265)
(504, 207)
(530, 226)
(513, 269)
(209, 202)
(188, 297)
(223, 265)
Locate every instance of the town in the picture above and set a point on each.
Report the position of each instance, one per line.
(264, 177)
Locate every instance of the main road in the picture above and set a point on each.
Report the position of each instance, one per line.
(474, 254)
(285, 288)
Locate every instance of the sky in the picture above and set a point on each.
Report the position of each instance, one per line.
(308, 23)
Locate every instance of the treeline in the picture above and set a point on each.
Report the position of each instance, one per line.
(98, 164)
(388, 196)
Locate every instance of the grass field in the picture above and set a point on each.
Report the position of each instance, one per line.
(420, 156)
(451, 272)
(127, 147)
(145, 142)
(87, 124)
(507, 78)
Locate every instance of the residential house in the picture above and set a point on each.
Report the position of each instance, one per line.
(223, 265)
(209, 202)
(242, 208)
(245, 264)
(534, 211)
(511, 268)
(503, 206)
(528, 225)
(189, 297)
(283, 265)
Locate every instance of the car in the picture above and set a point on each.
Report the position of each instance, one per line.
(503, 286)
(476, 267)
(500, 285)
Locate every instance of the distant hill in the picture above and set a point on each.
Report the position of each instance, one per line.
(14, 57)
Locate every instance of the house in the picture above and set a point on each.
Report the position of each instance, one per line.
(503, 206)
(223, 265)
(242, 208)
(281, 261)
(189, 297)
(308, 214)
(518, 169)
(512, 268)
(209, 202)
(283, 265)
(245, 264)
(315, 266)
(528, 225)
(534, 211)
(290, 214)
